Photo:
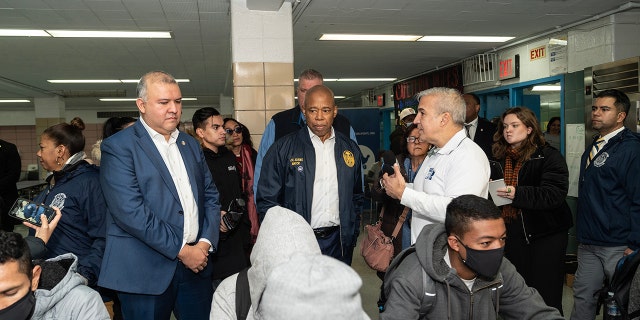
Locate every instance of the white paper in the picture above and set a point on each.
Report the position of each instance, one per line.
(495, 185)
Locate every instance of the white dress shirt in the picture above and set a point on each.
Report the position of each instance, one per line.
(459, 167)
(473, 127)
(173, 160)
(325, 206)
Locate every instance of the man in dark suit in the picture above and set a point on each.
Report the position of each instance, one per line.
(480, 130)
(164, 211)
(9, 174)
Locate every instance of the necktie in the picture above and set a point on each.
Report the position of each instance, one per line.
(467, 127)
(595, 149)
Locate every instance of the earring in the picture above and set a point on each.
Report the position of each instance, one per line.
(58, 162)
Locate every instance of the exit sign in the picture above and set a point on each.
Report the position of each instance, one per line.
(537, 53)
(509, 67)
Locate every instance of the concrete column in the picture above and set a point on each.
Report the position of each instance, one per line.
(262, 56)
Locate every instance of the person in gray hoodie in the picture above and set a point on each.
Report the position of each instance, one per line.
(470, 278)
(283, 233)
(51, 289)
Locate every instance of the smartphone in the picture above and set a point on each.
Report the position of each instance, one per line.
(29, 211)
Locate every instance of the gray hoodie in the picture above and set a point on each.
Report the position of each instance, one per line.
(62, 293)
(506, 295)
(283, 233)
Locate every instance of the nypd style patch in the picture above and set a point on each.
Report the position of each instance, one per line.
(601, 159)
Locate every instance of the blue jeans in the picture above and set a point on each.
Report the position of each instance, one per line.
(594, 263)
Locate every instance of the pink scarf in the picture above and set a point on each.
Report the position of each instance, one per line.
(247, 187)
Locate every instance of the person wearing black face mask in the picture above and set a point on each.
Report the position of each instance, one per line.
(50, 290)
(459, 267)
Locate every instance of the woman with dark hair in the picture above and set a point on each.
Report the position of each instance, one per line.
(74, 188)
(552, 135)
(537, 220)
(112, 126)
(414, 151)
(239, 142)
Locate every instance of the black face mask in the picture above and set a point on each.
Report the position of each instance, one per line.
(21, 309)
(485, 263)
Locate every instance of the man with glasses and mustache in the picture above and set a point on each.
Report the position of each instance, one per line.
(234, 230)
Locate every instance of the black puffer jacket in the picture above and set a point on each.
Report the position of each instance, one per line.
(543, 183)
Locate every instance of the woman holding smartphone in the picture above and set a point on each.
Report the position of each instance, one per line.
(538, 219)
(74, 188)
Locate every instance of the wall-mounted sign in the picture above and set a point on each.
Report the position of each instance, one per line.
(537, 53)
(509, 67)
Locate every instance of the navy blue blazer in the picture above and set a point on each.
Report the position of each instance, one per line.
(145, 221)
(484, 136)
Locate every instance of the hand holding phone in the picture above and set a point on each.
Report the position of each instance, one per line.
(29, 211)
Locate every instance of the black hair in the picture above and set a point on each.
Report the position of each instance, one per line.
(201, 115)
(464, 209)
(246, 135)
(14, 248)
(114, 125)
(67, 134)
(474, 96)
(552, 120)
(622, 101)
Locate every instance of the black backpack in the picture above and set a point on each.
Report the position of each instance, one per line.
(428, 285)
(620, 284)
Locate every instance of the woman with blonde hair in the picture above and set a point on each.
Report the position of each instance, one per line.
(537, 220)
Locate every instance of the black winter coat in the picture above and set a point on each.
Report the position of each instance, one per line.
(543, 183)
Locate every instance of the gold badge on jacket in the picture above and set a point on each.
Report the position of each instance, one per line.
(349, 160)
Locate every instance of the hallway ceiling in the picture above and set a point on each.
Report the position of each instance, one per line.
(200, 47)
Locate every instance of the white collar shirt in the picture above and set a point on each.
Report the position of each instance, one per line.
(175, 164)
(325, 205)
(473, 127)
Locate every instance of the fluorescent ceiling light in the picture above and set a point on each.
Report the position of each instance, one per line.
(339, 97)
(365, 79)
(368, 37)
(546, 88)
(22, 33)
(134, 99)
(464, 39)
(86, 81)
(136, 80)
(108, 34)
(356, 79)
(106, 81)
(14, 101)
(560, 42)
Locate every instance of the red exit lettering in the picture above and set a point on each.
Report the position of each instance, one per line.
(537, 53)
(506, 68)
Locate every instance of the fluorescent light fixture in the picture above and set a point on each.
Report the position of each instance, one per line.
(368, 37)
(365, 79)
(134, 99)
(560, 42)
(136, 80)
(546, 88)
(14, 100)
(86, 81)
(339, 97)
(109, 34)
(464, 39)
(357, 79)
(324, 80)
(106, 81)
(22, 33)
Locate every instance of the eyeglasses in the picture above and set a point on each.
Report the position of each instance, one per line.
(414, 139)
(230, 131)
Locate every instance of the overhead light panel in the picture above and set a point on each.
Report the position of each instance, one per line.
(109, 34)
(23, 33)
(365, 79)
(546, 88)
(134, 99)
(464, 39)
(104, 81)
(367, 37)
(85, 34)
(14, 100)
